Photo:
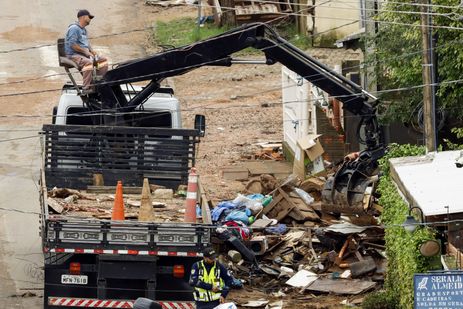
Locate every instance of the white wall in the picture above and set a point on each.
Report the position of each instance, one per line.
(336, 13)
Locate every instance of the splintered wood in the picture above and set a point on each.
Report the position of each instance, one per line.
(99, 205)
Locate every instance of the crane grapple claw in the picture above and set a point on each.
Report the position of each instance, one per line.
(350, 190)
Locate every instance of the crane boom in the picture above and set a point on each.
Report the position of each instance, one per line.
(345, 191)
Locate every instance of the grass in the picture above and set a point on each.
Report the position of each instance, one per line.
(184, 31)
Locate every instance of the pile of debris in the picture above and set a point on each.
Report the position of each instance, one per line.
(98, 201)
(283, 242)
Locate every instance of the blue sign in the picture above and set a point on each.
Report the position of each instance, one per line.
(438, 291)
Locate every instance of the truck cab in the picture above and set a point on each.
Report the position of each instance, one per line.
(162, 110)
(148, 141)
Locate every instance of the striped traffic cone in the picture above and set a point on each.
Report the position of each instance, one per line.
(118, 209)
(191, 196)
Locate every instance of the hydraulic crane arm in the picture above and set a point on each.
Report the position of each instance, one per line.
(352, 177)
(217, 51)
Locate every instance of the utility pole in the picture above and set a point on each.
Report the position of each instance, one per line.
(428, 110)
(199, 15)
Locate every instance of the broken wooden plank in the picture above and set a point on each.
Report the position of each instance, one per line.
(362, 267)
(112, 189)
(57, 207)
(134, 203)
(205, 208)
(261, 224)
(235, 173)
(128, 215)
(300, 211)
(273, 203)
(341, 286)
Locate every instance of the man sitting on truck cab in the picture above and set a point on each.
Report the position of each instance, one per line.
(211, 281)
(79, 50)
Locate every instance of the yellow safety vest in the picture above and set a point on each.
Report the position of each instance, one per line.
(213, 277)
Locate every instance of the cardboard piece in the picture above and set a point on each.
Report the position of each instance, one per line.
(298, 164)
(310, 147)
(256, 303)
(302, 278)
(311, 144)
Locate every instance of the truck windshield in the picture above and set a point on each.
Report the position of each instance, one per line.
(82, 116)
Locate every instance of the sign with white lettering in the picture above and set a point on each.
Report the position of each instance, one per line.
(438, 291)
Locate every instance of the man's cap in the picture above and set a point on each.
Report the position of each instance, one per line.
(83, 13)
(209, 253)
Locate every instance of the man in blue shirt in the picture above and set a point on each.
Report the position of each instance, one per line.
(79, 50)
(211, 281)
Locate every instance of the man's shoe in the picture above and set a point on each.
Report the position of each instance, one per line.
(86, 92)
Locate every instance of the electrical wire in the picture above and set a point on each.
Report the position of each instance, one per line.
(96, 37)
(110, 112)
(283, 14)
(262, 49)
(377, 11)
(51, 90)
(59, 89)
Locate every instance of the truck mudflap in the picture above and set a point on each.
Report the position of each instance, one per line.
(110, 303)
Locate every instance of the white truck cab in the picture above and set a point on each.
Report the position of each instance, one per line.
(160, 110)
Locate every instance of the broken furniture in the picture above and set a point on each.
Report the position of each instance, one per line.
(284, 205)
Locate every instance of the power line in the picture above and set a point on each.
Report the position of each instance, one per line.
(25, 93)
(110, 112)
(96, 38)
(379, 10)
(18, 138)
(283, 14)
(316, 34)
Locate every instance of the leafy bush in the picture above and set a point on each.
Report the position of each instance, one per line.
(380, 300)
(402, 248)
(455, 146)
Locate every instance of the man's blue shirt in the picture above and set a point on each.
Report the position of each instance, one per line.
(75, 35)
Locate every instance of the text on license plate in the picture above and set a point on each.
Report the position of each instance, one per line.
(74, 279)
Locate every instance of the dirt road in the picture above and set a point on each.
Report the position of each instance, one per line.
(241, 105)
(29, 30)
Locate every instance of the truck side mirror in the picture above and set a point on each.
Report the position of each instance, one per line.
(200, 124)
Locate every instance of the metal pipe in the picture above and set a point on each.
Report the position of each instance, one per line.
(250, 61)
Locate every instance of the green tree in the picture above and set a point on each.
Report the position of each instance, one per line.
(398, 57)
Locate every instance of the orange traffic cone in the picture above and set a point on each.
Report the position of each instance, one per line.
(191, 196)
(118, 209)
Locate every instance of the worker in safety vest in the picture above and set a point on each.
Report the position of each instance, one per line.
(210, 280)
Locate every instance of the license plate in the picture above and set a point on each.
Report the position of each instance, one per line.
(74, 279)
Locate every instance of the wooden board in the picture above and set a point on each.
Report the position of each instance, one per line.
(283, 205)
(112, 190)
(340, 286)
(279, 169)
